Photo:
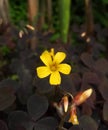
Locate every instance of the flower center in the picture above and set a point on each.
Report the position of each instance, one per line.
(54, 67)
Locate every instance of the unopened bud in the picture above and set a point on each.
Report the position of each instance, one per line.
(73, 117)
(65, 103)
(82, 96)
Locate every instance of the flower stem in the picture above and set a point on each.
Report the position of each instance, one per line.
(64, 117)
(62, 122)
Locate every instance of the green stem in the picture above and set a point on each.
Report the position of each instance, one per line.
(64, 18)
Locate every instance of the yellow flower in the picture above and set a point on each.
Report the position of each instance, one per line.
(53, 67)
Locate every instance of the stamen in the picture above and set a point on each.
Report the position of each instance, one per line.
(54, 67)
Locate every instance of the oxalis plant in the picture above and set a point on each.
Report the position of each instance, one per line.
(64, 102)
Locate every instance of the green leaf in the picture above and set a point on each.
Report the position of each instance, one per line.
(105, 1)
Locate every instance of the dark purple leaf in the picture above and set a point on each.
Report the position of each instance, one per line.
(67, 84)
(76, 79)
(3, 125)
(98, 48)
(19, 119)
(37, 106)
(24, 94)
(48, 123)
(26, 79)
(15, 64)
(75, 127)
(103, 88)
(42, 85)
(87, 59)
(101, 66)
(86, 122)
(25, 76)
(6, 100)
(20, 127)
(86, 109)
(91, 78)
(9, 86)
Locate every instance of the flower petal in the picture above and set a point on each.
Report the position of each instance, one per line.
(43, 71)
(55, 78)
(59, 57)
(46, 58)
(74, 120)
(64, 68)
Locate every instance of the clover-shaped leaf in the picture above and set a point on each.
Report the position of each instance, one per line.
(67, 84)
(101, 66)
(37, 106)
(76, 79)
(47, 123)
(9, 86)
(39, 83)
(91, 78)
(19, 120)
(103, 88)
(86, 122)
(87, 59)
(6, 101)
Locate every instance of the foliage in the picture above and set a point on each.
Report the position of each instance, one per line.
(27, 102)
(30, 103)
(18, 11)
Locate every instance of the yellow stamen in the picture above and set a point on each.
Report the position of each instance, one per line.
(54, 67)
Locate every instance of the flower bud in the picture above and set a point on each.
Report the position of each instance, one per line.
(73, 117)
(65, 103)
(82, 96)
